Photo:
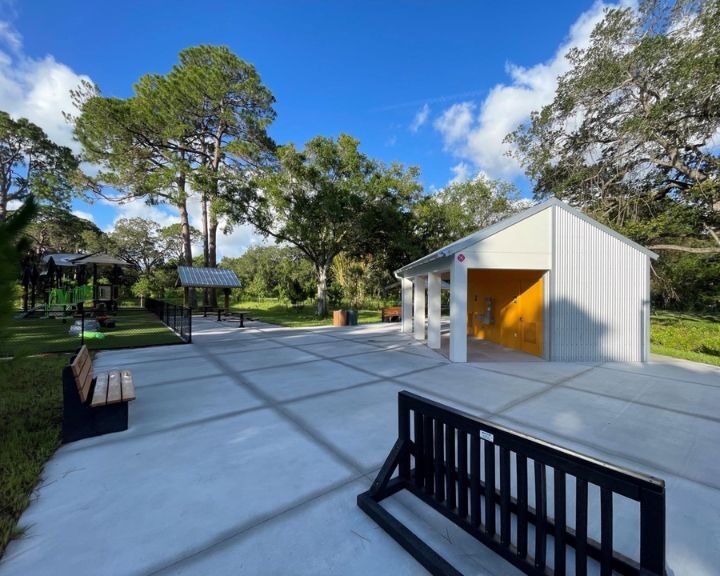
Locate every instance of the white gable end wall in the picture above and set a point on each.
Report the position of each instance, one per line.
(599, 294)
(526, 245)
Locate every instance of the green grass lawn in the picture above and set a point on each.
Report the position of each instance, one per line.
(30, 426)
(285, 315)
(134, 327)
(686, 336)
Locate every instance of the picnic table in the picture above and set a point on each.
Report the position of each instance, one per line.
(240, 314)
(207, 309)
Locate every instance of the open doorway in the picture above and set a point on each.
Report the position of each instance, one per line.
(506, 307)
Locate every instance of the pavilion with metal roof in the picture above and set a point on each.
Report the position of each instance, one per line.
(192, 277)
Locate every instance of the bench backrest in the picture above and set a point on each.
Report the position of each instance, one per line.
(391, 311)
(481, 475)
(82, 371)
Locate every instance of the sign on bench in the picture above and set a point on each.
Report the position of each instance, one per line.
(483, 478)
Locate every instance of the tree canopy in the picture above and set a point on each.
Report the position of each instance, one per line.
(462, 208)
(31, 163)
(631, 134)
(632, 137)
(201, 127)
(273, 272)
(13, 245)
(323, 200)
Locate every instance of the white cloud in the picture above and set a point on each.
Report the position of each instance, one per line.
(84, 215)
(455, 123)
(461, 173)
(479, 138)
(230, 245)
(10, 37)
(421, 117)
(36, 88)
(238, 241)
(163, 214)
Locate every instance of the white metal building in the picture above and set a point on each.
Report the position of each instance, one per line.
(549, 281)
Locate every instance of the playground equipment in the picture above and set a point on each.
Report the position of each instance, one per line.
(62, 296)
(61, 301)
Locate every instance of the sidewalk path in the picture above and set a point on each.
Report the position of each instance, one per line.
(247, 448)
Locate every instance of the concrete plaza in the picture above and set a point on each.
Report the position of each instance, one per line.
(247, 448)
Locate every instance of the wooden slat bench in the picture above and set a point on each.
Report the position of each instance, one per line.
(94, 405)
(391, 314)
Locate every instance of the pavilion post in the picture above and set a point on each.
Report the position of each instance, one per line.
(434, 283)
(458, 312)
(407, 302)
(95, 282)
(419, 308)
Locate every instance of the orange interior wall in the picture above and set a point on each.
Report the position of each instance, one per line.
(517, 302)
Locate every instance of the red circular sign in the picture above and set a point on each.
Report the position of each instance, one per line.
(461, 257)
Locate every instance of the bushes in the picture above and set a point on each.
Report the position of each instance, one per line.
(687, 282)
(686, 336)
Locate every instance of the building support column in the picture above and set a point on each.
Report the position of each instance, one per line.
(419, 308)
(458, 312)
(434, 311)
(407, 301)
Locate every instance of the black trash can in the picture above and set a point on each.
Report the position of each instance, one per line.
(352, 317)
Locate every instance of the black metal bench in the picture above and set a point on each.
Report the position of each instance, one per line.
(439, 455)
(94, 405)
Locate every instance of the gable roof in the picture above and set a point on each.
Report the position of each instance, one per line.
(197, 277)
(100, 258)
(74, 260)
(474, 238)
(61, 259)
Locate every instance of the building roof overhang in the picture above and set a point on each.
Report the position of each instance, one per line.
(440, 259)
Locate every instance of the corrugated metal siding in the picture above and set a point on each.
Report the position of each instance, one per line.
(598, 296)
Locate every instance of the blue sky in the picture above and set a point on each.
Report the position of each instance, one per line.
(431, 84)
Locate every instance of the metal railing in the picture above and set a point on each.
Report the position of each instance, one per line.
(177, 318)
(480, 476)
(98, 327)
